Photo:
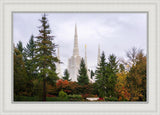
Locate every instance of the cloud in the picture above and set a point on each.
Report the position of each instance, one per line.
(115, 32)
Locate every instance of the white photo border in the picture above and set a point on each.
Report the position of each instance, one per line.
(7, 7)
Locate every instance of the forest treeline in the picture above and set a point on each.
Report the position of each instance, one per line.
(35, 74)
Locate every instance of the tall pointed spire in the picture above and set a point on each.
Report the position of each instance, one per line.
(58, 54)
(98, 58)
(58, 68)
(75, 49)
(75, 30)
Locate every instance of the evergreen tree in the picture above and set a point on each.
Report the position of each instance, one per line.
(20, 46)
(19, 73)
(30, 48)
(113, 63)
(92, 74)
(101, 77)
(121, 68)
(45, 55)
(21, 49)
(83, 77)
(106, 76)
(66, 75)
(111, 71)
(29, 51)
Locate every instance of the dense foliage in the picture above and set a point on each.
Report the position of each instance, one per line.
(35, 77)
(20, 74)
(136, 78)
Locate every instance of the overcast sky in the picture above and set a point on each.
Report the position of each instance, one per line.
(116, 33)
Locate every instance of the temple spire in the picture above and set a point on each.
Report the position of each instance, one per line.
(58, 53)
(75, 49)
(75, 30)
(58, 68)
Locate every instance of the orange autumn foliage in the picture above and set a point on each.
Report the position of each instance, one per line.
(123, 94)
(120, 88)
(62, 84)
(66, 86)
(71, 87)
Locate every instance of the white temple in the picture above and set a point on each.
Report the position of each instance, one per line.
(75, 60)
(58, 67)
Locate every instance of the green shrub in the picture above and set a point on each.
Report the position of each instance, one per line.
(111, 99)
(62, 94)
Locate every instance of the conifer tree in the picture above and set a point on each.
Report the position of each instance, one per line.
(30, 48)
(83, 77)
(28, 83)
(106, 76)
(111, 69)
(45, 55)
(19, 73)
(121, 68)
(92, 74)
(22, 50)
(66, 75)
(101, 77)
(30, 54)
(113, 63)
(20, 46)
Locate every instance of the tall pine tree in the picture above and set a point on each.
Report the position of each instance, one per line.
(101, 78)
(83, 77)
(30, 54)
(111, 71)
(45, 55)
